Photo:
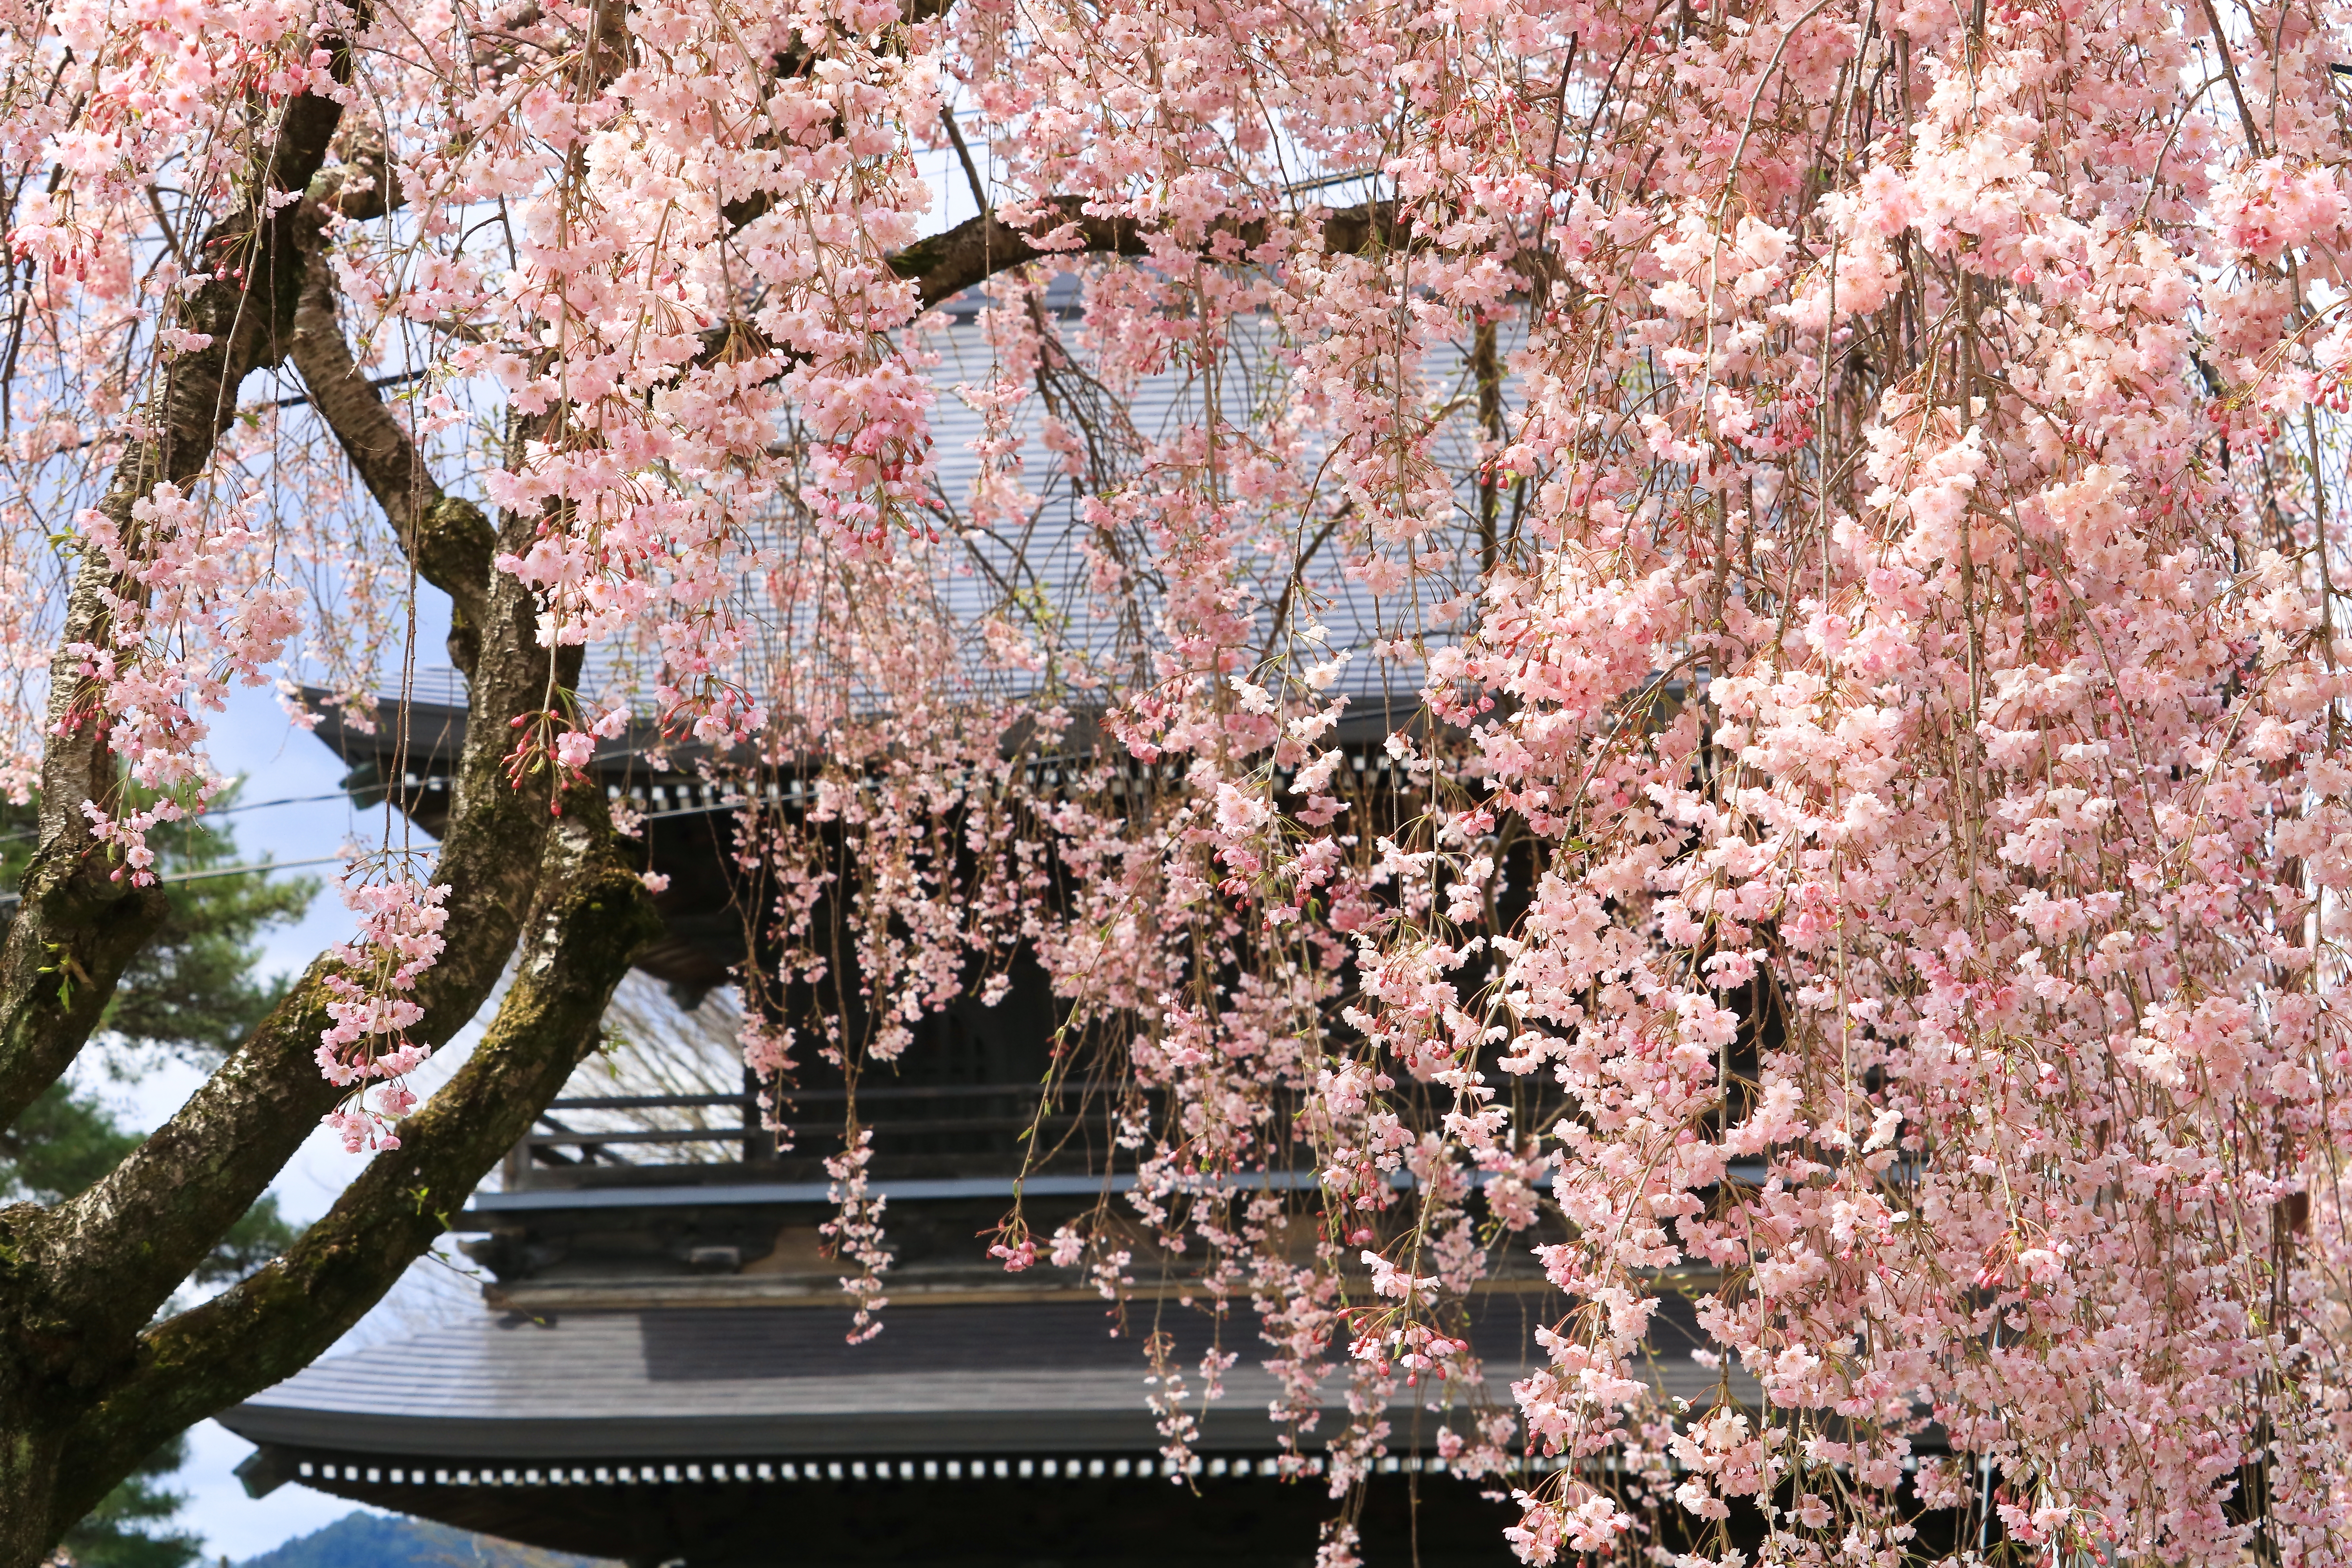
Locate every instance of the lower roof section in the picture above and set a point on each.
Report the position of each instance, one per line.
(1121, 1512)
(780, 1382)
(287, 1464)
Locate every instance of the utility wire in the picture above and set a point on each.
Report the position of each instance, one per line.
(11, 899)
(378, 381)
(202, 817)
(247, 870)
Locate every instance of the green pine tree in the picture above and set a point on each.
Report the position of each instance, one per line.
(131, 1526)
(191, 994)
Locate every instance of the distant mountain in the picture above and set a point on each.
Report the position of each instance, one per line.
(375, 1540)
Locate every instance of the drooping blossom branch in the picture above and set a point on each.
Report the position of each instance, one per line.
(401, 918)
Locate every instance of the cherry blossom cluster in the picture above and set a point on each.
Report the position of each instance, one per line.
(401, 919)
(198, 606)
(855, 1233)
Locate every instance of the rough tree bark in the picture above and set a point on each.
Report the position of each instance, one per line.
(88, 1384)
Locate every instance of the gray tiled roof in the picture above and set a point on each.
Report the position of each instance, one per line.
(780, 1381)
(971, 572)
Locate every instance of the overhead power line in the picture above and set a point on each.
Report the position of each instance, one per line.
(9, 900)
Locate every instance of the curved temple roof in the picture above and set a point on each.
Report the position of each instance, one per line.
(699, 1430)
(1019, 1376)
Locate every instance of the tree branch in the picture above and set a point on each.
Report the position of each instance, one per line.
(94, 1269)
(76, 927)
(445, 536)
(102, 1264)
(591, 917)
(978, 248)
(78, 1284)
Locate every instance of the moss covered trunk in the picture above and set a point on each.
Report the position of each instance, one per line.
(90, 1383)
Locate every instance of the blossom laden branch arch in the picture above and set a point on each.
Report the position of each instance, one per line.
(1729, 683)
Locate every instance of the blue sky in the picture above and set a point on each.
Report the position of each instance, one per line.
(253, 742)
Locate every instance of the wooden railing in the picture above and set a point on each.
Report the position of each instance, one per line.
(896, 1113)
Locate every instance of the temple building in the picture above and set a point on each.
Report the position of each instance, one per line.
(659, 1372)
